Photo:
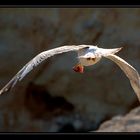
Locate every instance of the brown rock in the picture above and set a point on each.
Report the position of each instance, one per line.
(128, 123)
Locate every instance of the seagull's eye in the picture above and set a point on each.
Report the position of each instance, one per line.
(93, 59)
(89, 58)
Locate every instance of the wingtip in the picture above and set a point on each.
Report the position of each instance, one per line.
(1, 91)
(120, 49)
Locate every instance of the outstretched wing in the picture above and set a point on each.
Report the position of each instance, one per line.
(130, 72)
(36, 61)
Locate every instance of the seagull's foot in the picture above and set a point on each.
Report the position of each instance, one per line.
(79, 68)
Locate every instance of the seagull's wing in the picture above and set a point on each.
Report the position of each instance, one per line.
(36, 61)
(130, 72)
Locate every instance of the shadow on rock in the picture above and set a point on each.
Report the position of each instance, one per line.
(41, 104)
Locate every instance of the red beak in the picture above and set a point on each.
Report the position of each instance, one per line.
(78, 68)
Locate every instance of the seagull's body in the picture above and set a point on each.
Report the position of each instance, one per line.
(87, 55)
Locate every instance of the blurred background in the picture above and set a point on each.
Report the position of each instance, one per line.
(53, 98)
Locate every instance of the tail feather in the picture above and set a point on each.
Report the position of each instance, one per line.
(106, 52)
(113, 51)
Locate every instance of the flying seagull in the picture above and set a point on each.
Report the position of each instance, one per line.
(87, 55)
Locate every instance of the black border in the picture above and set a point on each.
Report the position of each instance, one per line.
(66, 6)
(69, 4)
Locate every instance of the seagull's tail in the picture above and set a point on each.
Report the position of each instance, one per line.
(106, 52)
(113, 51)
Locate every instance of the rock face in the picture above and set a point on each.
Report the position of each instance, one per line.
(127, 123)
(100, 93)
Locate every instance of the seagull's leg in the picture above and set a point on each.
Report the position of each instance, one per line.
(79, 68)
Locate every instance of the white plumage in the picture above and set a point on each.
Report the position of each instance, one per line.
(87, 55)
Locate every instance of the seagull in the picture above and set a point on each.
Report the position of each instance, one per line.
(87, 55)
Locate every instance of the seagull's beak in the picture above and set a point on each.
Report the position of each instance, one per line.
(79, 68)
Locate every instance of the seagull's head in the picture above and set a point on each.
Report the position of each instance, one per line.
(86, 57)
